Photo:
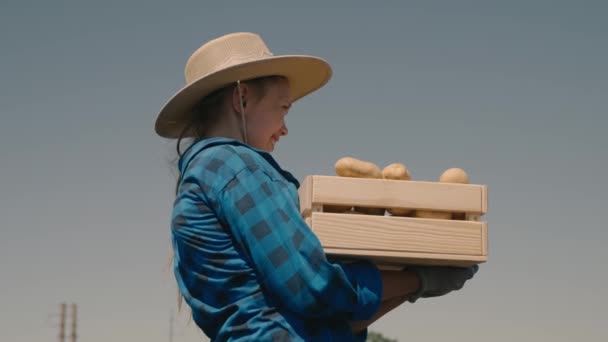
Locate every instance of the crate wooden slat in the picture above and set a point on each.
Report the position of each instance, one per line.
(393, 239)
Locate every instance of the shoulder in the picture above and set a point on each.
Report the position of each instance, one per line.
(213, 167)
(225, 159)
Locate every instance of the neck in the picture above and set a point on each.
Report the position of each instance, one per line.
(228, 127)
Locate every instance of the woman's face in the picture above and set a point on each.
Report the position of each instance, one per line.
(266, 116)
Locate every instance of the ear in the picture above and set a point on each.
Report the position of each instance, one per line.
(244, 94)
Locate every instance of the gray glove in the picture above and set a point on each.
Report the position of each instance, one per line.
(438, 281)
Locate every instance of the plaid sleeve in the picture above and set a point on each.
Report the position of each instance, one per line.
(264, 218)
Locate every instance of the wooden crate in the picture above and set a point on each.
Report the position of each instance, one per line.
(394, 241)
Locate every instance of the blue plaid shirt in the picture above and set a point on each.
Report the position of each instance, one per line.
(247, 263)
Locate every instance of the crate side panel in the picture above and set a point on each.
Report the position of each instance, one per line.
(305, 196)
(398, 234)
(385, 193)
(388, 259)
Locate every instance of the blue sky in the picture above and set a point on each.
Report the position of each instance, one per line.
(514, 92)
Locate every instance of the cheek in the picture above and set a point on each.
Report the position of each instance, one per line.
(265, 124)
(261, 130)
(272, 122)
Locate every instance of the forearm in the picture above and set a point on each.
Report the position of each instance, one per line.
(397, 284)
(397, 287)
(385, 307)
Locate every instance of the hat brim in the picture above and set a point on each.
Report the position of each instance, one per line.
(305, 74)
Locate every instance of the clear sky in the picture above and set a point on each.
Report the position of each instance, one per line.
(514, 92)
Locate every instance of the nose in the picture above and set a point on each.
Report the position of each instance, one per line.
(284, 130)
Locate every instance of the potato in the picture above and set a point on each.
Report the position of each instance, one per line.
(442, 215)
(352, 167)
(400, 211)
(397, 171)
(459, 216)
(370, 211)
(454, 175)
(331, 208)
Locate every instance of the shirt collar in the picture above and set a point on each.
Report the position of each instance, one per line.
(202, 144)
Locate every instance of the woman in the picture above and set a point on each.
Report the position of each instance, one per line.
(245, 261)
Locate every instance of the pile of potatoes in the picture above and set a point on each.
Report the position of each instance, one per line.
(352, 167)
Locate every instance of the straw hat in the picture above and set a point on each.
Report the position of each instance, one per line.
(236, 56)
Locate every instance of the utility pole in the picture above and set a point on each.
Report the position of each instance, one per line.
(73, 335)
(62, 322)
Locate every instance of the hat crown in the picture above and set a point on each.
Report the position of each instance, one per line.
(224, 52)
